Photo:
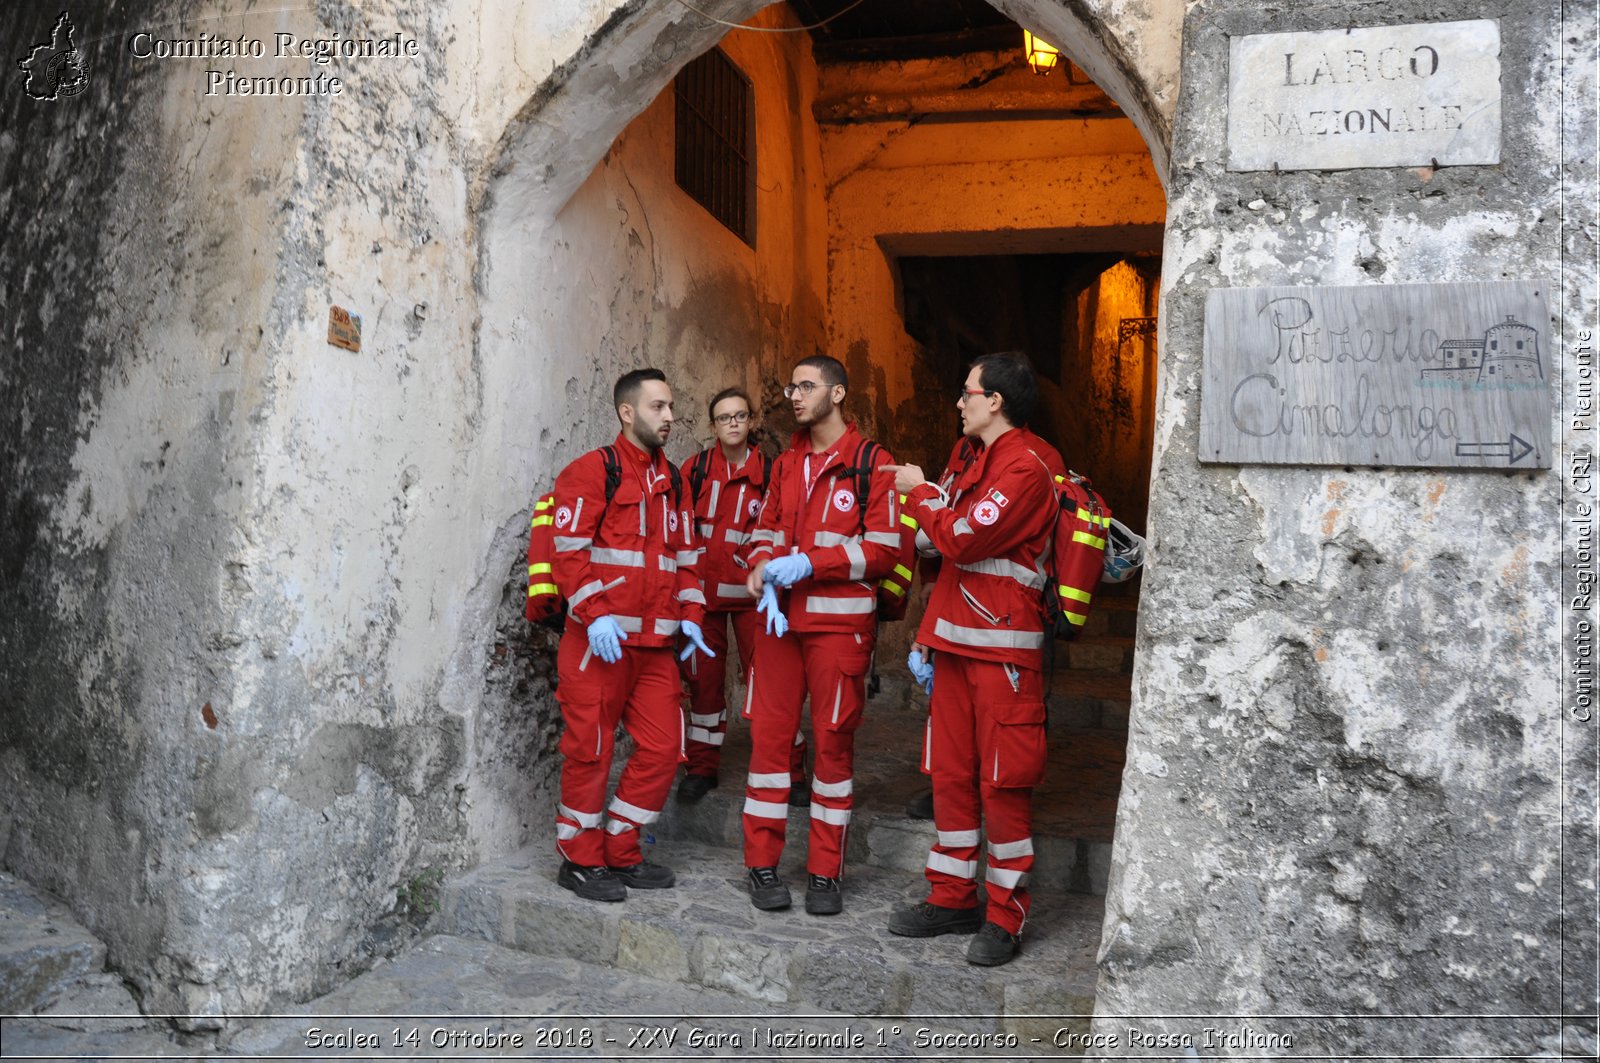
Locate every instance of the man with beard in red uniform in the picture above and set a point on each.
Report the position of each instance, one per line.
(626, 567)
(828, 549)
(727, 481)
(984, 630)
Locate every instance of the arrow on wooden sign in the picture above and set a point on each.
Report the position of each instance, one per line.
(1513, 450)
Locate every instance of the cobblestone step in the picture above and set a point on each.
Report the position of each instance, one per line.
(705, 933)
(44, 952)
(1074, 808)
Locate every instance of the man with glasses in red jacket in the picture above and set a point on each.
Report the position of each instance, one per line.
(981, 648)
(826, 547)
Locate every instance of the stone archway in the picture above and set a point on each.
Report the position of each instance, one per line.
(544, 325)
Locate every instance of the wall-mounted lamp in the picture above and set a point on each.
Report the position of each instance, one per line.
(1042, 57)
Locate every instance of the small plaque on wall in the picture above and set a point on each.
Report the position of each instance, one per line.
(1376, 96)
(1436, 375)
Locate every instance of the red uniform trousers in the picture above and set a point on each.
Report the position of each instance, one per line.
(986, 751)
(708, 703)
(642, 692)
(832, 667)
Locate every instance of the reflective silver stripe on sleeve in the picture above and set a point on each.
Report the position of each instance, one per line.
(705, 737)
(858, 559)
(736, 537)
(641, 816)
(958, 839)
(584, 593)
(733, 590)
(890, 539)
(766, 809)
(631, 624)
(1007, 878)
(961, 527)
(999, 566)
(839, 817)
(841, 606)
(763, 535)
(832, 789)
(572, 542)
(667, 564)
(999, 640)
(692, 594)
(667, 627)
(827, 538)
(1010, 850)
(951, 866)
(934, 503)
(583, 819)
(706, 530)
(688, 557)
(604, 555)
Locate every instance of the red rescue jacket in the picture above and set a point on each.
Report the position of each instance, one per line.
(725, 512)
(847, 561)
(994, 537)
(634, 559)
(964, 452)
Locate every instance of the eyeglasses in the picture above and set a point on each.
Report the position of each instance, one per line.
(805, 387)
(732, 418)
(966, 392)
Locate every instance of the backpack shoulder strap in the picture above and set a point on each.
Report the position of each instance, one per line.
(766, 472)
(699, 469)
(866, 461)
(677, 485)
(613, 463)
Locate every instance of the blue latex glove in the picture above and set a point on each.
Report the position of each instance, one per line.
(605, 640)
(921, 670)
(697, 641)
(787, 570)
(777, 623)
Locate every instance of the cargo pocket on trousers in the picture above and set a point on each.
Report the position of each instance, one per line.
(843, 712)
(581, 737)
(1017, 744)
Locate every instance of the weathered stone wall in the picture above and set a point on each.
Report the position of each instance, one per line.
(1343, 793)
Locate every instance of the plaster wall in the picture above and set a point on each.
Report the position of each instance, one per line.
(1348, 766)
(969, 188)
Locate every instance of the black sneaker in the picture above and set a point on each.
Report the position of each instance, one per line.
(694, 787)
(800, 792)
(766, 891)
(926, 919)
(823, 896)
(645, 876)
(991, 947)
(920, 807)
(591, 883)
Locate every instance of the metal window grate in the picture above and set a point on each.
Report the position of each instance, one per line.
(715, 141)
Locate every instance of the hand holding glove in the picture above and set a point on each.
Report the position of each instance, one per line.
(777, 623)
(921, 668)
(787, 570)
(697, 641)
(605, 640)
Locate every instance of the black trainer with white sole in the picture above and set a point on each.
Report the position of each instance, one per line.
(591, 883)
(645, 876)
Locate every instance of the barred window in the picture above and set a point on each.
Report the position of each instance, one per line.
(715, 140)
